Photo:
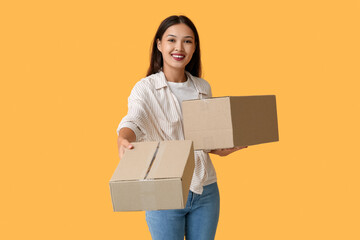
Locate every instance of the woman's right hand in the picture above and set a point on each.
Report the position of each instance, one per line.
(126, 135)
(122, 145)
(226, 151)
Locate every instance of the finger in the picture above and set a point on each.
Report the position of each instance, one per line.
(121, 153)
(126, 144)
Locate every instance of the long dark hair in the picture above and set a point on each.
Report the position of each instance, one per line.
(156, 61)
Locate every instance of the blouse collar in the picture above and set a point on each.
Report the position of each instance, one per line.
(160, 81)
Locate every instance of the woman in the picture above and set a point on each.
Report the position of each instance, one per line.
(154, 114)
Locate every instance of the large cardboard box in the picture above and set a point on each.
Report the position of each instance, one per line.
(226, 122)
(153, 176)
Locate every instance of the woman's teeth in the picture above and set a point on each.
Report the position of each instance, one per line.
(178, 56)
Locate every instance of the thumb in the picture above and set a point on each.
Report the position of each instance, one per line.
(127, 144)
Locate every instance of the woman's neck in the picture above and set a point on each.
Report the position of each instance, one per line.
(175, 75)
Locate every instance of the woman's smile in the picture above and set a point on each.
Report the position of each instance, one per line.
(178, 57)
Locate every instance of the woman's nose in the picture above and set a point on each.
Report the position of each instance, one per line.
(179, 46)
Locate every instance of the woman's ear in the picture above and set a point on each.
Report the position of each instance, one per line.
(158, 44)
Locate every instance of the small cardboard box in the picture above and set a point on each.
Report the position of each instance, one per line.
(153, 176)
(227, 122)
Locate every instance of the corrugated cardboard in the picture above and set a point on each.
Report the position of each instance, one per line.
(226, 122)
(153, 176)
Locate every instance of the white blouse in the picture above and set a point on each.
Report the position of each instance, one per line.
(154, 114)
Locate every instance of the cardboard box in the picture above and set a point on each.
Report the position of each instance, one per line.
(153, 176)
(226, 122)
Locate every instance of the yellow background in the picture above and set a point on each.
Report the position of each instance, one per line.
(67, 68)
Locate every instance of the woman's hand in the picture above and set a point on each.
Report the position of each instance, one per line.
(123, 144)
(126, 135)
(226, 151)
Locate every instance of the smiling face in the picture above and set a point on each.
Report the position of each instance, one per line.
(177, 46)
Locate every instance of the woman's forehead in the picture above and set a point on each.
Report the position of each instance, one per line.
(179, 30)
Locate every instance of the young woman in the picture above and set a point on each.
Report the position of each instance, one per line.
(154, 114)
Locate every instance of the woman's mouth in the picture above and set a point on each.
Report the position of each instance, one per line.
(178, 57)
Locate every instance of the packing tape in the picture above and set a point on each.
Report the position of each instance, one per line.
(159, 158)
(151, 162)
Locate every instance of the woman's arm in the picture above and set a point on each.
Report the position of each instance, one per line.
(126, 135)
(225, 152)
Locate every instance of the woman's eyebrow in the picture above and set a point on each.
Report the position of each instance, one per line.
(171, 35)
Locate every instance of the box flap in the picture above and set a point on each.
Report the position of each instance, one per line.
(170, 159)
(135, 163)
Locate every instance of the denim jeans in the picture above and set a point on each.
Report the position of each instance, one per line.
(197, 221)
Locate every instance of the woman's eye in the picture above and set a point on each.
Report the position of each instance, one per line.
(171, 40)
(188, 41)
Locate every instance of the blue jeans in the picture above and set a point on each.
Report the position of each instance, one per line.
(197, 221)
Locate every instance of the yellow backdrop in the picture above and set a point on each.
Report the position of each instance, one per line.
(67, 68)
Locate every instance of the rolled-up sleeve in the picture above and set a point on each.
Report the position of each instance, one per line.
(137, 113)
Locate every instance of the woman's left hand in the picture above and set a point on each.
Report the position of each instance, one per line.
(226, 151)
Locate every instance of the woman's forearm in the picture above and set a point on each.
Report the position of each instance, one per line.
(127, 133)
